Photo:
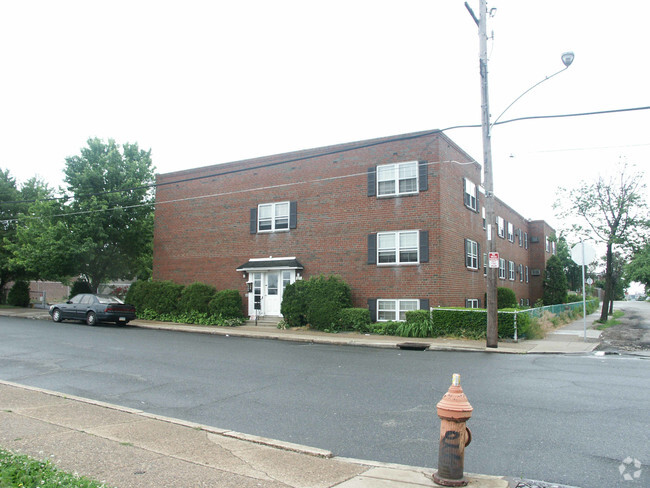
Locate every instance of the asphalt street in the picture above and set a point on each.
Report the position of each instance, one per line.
(566, 419)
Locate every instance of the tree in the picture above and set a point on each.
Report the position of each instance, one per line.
(613, 210)
(638, 269)
(104, 229)
(14, 201)
(8, 193)
(555, 282)
(572, 270)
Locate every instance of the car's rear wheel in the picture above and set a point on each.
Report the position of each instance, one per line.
(91, 318)
(56, 315)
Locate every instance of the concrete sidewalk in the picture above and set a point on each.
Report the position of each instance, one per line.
(568, 339)
(129, 448)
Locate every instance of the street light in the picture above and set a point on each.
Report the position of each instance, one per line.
(492, 333)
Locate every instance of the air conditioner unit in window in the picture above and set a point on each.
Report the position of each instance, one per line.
(535, 272)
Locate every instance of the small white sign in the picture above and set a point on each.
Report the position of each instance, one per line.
(493, 258)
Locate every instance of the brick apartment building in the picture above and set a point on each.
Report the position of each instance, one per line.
(400, 219)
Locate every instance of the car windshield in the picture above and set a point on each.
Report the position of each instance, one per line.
(108, 299)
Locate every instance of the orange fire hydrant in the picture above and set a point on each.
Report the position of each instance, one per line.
(454, 410)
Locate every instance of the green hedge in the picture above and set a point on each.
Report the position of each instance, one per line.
(316, 302)
(463, 323)
(196, 298)
(197, 303)
(226, 304)
(357, 319)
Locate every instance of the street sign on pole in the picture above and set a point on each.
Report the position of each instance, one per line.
(583, 254)
(493, 258)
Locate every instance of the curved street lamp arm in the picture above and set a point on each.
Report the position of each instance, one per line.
(520, 96)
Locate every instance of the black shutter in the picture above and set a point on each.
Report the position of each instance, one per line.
(478, 256)
(423, 173)
(424, 246)
(372, 181)
(465, 196)
(254, 220)
(372, 307)
(293, 214)
(424, 304)
(372, 248)
(467, 260)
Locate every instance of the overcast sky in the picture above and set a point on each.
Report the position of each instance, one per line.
(207, 82)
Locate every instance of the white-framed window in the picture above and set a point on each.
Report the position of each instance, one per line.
(471, 303)
(484, 221)
(526, 274)
(520, 237)
(470, 195)
(525, 240)
(501, 227)
(547, 244)
(395, 309)
(397, 179)
(485, 263)
(521, 273)
(471, 254)
(273, 216)
(511, 270)
(398, 247)
(511, 232)
(528, 302)
(553, 249)
(502, 268)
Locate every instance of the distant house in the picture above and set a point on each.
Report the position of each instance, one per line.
(401, 219)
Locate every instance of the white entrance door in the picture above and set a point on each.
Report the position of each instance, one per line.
(268, 289)
(273, 297)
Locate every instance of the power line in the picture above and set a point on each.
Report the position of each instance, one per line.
(213, 195)
(337, 151)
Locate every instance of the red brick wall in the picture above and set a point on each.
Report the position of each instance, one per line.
(202, 225)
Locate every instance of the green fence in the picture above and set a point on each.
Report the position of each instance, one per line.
(557, 309)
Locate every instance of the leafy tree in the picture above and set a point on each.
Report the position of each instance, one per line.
(638, 269)
(613, 210)
(572, 270)
(105, 230)
(8, 193)
(555, 282)
(13, 202)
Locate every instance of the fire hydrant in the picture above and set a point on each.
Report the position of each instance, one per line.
(454, 410)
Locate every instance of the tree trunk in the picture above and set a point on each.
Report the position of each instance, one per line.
(609, 286)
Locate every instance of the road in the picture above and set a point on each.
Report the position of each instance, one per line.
(566, 419)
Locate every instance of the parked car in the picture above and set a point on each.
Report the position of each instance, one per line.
(91, 309)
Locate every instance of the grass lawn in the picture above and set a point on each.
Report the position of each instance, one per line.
(19, 471)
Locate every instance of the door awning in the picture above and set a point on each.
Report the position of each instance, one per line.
(270, 264)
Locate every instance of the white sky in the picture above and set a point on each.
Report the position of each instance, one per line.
(206, 82)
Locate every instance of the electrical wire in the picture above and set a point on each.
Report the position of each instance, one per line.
(213, 195)
(334, 152)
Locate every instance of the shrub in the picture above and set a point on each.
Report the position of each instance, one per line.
(506, 298)
(417, 324)
(384, 328)
(19, 294)
(226, 304)
(573, 297)
(196, 298)
(80, 286)
(357, 319)
(295, 304)
(161, 297)
(316, 301)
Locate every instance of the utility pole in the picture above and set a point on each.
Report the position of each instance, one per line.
(492, 335)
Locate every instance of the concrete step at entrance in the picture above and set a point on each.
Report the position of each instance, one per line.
(265, 321)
